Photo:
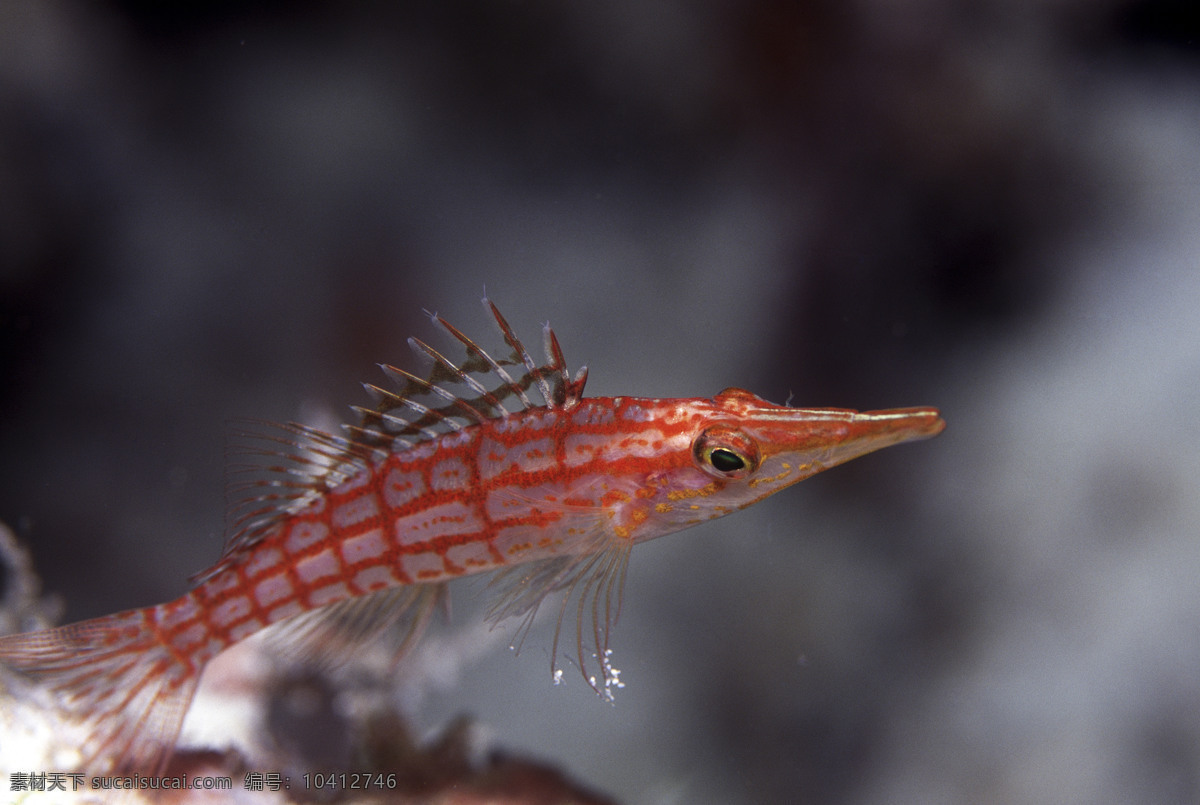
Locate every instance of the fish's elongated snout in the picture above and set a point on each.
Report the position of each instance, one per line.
(915, 423)
(866, 432)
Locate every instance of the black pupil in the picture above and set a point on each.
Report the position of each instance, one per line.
(726, 460)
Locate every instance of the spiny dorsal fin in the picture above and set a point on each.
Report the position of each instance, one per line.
(290, 464)
(455, 395)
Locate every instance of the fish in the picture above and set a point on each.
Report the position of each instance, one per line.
(477, 465)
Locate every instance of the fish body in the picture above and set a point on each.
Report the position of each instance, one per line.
(460, 472)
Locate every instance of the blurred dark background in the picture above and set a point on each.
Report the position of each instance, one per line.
(213, 210)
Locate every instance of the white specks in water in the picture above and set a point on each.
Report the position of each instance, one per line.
(612, 676)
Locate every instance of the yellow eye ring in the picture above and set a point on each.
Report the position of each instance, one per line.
(725, 453)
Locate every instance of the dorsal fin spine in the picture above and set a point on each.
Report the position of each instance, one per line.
(523, 356)
(471, 411)
(455, 372)
(378, 442)
(474, 350)
(424, 410)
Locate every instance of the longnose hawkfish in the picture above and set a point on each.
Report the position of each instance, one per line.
(456, 472)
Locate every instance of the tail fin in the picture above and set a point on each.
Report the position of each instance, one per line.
(115, 677)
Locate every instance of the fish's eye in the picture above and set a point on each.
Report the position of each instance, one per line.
(725, 460)
(726, 453)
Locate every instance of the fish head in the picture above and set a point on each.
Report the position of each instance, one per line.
(742, 448)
